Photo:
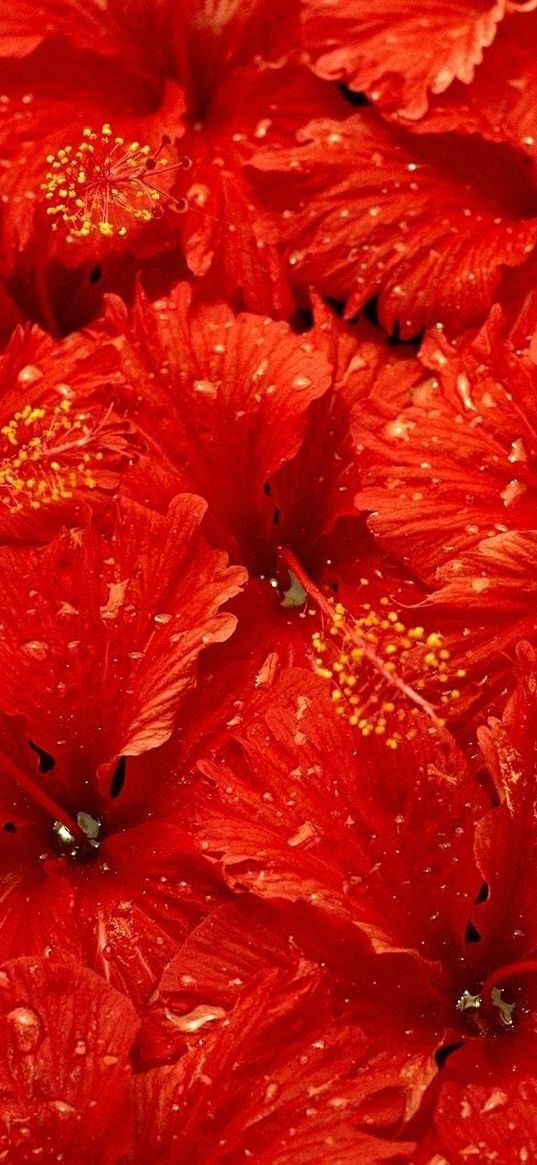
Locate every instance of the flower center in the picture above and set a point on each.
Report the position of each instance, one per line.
(76, 846)
(52, 450)
(474, 1004)
(106, 185)
(488, 1007)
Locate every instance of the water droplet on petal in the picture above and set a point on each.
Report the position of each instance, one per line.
(63, 1108)
(303, 834)
(29, 374)
(271, 1092)
(26, 1027)
(518, 451)
(206, 388)
(36, 648)
(196, 1019)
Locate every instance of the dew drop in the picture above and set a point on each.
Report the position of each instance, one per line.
(36, 648)
(198, 193)
(262, 127)
(518, 451)
(464, 391)
(303, 834)
(63, 1108)
(496, 1099)
(26, 1027)
(271, 1092)
(206, 388)
(513, 490)
(29, 374)
(196, 1019)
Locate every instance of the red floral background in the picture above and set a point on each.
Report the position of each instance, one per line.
(268, 582)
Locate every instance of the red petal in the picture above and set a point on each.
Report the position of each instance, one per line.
(339, 836)
(506, 841)
(117, 620)
(451, 483)
(372, 210)
(119, 30)
(240, 262)
(500, 102)
(498, 1121)
(210, 41)
(456, 464)
(230, 239)
(315, 489)
(269, 1079)
(400, 55)
(227, 400)
(219, 959)
(64, 1060)
(485, 605)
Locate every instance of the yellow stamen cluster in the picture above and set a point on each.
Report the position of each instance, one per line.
(103, 183)
(48, 454)
(379, 667)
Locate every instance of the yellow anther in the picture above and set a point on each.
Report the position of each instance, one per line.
(377, 679)
(35, 475)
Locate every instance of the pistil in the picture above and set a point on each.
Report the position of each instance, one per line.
(104, 182)
(361, 656)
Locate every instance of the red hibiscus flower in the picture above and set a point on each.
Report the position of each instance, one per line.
(249, 414)
(101, 116)
(102, 631)
(449, 993)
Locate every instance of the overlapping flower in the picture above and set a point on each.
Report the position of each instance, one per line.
(268, 549)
